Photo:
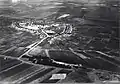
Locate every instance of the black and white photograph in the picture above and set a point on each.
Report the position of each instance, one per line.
(59, 41)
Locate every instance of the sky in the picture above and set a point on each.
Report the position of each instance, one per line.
(14, 1)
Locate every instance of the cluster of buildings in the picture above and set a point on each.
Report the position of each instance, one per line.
(49, 30)
(34, 29)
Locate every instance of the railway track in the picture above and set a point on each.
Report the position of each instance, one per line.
(33, 47)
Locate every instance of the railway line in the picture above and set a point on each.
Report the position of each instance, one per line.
(33, 47)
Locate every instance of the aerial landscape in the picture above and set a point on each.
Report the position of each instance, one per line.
(59, 41)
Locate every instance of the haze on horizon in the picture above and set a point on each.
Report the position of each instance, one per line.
(15, 1)
(4, 2)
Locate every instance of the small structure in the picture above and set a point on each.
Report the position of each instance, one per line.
(58, 76)
(63, 16)
(50, 32)
(29, 26)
